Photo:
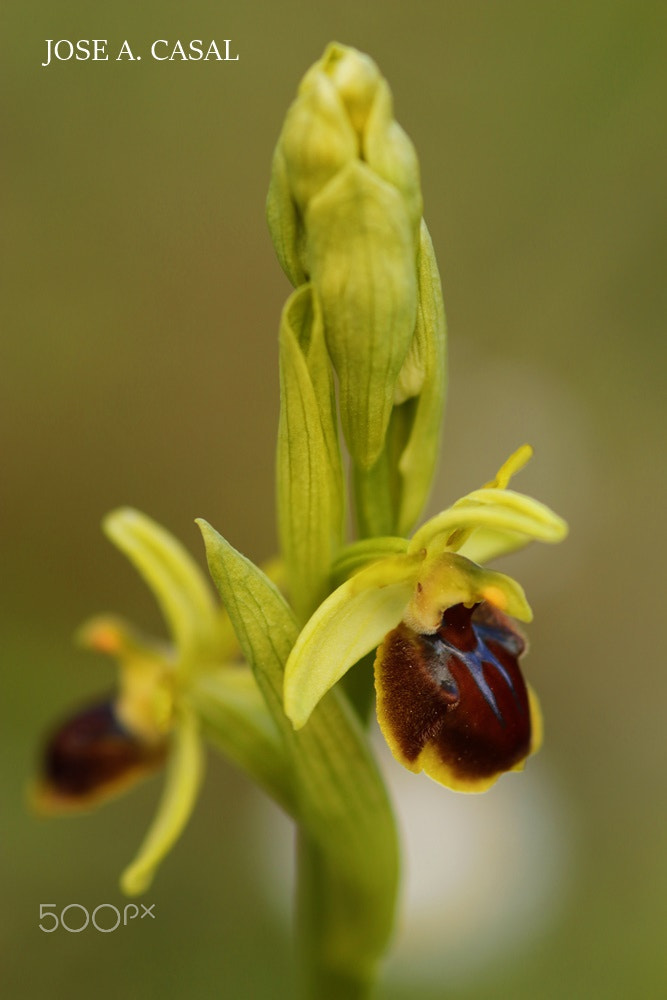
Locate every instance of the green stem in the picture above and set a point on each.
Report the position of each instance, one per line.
(375, 512)
(378, 491)
(321, 903)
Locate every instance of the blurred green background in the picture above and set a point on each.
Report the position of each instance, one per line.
(139, 365)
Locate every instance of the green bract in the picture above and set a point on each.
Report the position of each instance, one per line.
(341, 803)
(310, 488)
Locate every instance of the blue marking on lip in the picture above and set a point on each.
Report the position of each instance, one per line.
(475, 659)
(438, 667)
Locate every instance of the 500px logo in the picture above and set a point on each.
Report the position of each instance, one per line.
(104, 922)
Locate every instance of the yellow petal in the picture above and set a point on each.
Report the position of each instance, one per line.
(514, 464)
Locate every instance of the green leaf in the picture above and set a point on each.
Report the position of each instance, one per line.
(182, 782)
(309, 471)
(342, 804)
(181, 590)
(265, 626)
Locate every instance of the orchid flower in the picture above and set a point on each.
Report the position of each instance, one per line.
(170, 696)
(451, 700)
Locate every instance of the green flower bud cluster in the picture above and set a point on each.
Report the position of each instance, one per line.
(345, 214)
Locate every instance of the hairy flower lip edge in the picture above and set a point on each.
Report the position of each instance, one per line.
(447, 706)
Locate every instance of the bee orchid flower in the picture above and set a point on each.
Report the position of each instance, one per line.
(170, 697)
(451, 699)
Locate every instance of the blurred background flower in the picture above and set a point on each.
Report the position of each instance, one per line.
(139, 365)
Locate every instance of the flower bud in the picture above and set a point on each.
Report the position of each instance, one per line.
(344, 211)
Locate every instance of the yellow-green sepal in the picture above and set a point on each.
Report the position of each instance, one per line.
(310, 487)
(180, 588)
(317, 139)
(185, 767)
(390, 153)
(510, 515)
(350, 623)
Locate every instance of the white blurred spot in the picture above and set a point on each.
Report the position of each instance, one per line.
(483, 875)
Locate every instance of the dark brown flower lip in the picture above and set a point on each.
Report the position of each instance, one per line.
(91, 757)
(457, 696)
